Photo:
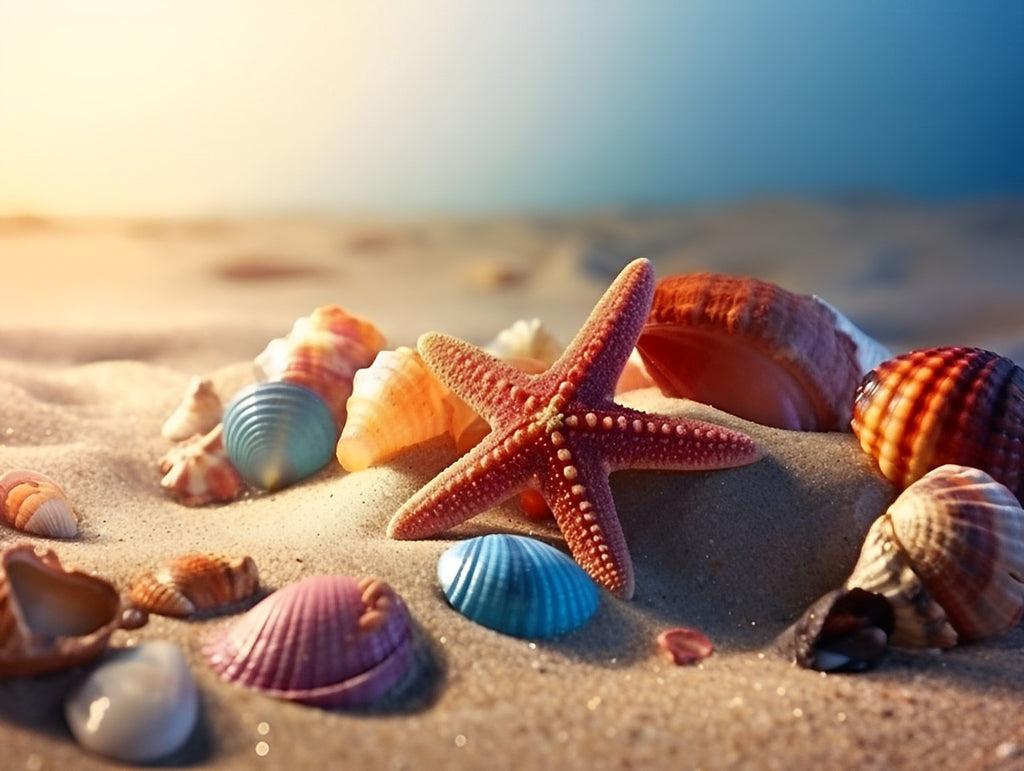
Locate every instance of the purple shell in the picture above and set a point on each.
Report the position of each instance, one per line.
(329, 641)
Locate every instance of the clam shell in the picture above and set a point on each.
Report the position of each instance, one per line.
(34, 503)
(328, 641)
(198, 412)
(709, 336)
(138, 705)
(517, 585)
(277, 433)
(53, 618)
(952, 404)
(195, 582)
(198, 471)
(323, 352)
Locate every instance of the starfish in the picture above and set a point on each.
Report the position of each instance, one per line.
(560, 433)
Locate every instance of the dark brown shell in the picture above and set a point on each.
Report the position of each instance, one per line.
(952, 404)
(195, 582)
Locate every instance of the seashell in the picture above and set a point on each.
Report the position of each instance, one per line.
(195, 582)
(34, 503)
(517, 585)
(323, 351)
(198, 413)
(709, 337)
(943, 405)
(198, 471)
(526, 339)
(328, 641)
(53, 618)
(138, 705)
(683, 645)
(277, 433)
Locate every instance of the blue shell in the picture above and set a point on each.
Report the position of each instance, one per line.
(517, 585)
(277, 433)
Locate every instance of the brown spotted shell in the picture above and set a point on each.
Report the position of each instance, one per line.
(952, 404)
(755, 350)
(195, 582)
(34, 503)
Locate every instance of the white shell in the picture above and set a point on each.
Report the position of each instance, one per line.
(198, 412)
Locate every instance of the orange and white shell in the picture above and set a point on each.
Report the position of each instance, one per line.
(198, 471)
(53, 618)
(195, 582)
(949, 556)
(755, 350)
(198, 412)
(950, 404)
(34, 503)
(323, 352)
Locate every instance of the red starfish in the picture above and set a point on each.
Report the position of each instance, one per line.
(560, 433)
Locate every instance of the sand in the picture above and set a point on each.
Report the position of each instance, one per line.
(103, 323)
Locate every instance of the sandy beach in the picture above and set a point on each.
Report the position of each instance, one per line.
(103, 323)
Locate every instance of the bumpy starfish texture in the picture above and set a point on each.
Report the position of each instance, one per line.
(560, 433)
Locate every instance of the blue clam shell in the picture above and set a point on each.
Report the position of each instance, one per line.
(517, 585)
(277, 433)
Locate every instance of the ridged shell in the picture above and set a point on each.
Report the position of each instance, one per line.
(198, 471)
(198, 412)
(526, 339)
(949, 556)
(195, 582)
(323, 351)
(328, 641)
(34, 503)
(517, 585)
(951, 404)
(52, 618)
(709, 337)
(278, 433)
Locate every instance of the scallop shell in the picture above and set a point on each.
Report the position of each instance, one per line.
(138, 705)
(323, 352)
(277, 433)
(709, 336)
(52, 618)
(195, 582)
(943, 405)
(517, 585)
(34, 503)
(198, 413)
(198, 471)
(949, 555)
(328, 641)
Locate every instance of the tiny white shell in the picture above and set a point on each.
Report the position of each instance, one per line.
(198, 412)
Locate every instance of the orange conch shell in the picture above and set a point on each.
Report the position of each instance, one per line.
(198, 412)
(198, 471)
(323, 351)
(755, 350)
(943, 405)
(34, 503)
(195, 582)
(52, 618)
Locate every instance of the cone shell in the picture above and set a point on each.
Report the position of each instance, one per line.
(517, 585)
(278, 433)
(959, 405)
(949, 556)
(198, 471)
(195, 582)
(323, 352)
(198, 413)
(52, 618)
(34, 503)
(709, 336)
(328, 641)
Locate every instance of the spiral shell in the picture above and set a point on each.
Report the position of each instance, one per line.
(949, 556)
(328, 641)
(323, 351)
(198, 471)
(52, 618)
(198, 413)
(195, 582)
(517, 585)
(953, 404)
(278, 433)
(34, 503)
(709, 336)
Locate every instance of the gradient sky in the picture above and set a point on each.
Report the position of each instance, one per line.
(235, 106)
